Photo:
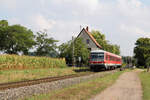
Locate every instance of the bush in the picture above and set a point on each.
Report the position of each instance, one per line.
(142, 67)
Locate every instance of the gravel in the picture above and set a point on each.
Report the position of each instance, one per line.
(26, 91)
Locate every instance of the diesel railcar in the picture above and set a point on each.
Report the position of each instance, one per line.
(100, 59)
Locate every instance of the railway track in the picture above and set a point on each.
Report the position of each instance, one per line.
(4, 86)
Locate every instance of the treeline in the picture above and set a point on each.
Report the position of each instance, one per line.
(75, 52)
(81, 51)
(106, 45)
(17, 39)
(141, 57)
(142, 52)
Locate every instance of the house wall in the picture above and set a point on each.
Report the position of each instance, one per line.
(91, 44)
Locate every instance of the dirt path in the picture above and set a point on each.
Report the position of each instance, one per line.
(127, 87)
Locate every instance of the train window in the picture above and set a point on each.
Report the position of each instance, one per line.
(97, 56)
(111, 58)
(107, 57)
(115, 59)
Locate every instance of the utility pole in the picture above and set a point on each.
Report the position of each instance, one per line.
(80, 28)
(73, 60)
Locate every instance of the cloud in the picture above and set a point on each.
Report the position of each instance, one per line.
(10, 4)
(122, 21)
(136, 17)
(40, 22)
(132, 8)
(91, 4)
(84, 7)
(64, 30)
(130, 3)
(14, 21)
(134, 30)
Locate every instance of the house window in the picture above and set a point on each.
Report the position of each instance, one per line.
(87, 41)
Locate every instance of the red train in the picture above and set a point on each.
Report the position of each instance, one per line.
(100, 59)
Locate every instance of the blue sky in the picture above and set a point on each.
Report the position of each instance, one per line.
(122, 21)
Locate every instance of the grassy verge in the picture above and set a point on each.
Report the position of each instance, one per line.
(8, 62)
(82, 91)
(145, 79)
(28, 74)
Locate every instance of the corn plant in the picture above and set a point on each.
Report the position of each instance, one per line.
(30, 62)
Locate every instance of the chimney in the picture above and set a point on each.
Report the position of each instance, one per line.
(87, 28)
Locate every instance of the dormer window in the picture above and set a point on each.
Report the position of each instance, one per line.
(87, 41)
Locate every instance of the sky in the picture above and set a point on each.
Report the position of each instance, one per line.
(122, 21)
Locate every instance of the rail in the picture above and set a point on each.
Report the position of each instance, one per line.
(4, 86)
(10, 85)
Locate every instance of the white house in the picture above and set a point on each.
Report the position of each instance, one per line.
(89, 39)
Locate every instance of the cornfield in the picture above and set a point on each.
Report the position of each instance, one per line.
(29, 62)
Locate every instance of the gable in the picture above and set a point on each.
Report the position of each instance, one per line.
(89, 39)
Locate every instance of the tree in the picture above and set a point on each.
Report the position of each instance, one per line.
(100, 38)
(142, 50)
(3, 23)
(15, 38)
(45, 46)
(63, 49)
(148, 63)
(80, 50)
(66, 51)
(3, 32)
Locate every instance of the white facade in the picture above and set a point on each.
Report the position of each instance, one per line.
(88, 40)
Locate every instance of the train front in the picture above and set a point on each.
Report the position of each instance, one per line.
(97, 60)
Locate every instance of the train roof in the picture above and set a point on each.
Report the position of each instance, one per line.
(96, 51)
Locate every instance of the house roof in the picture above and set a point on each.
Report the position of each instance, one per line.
(92, 38)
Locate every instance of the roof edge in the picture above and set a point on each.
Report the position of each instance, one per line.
(93, 39)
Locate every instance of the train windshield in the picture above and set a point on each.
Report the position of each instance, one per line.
(97, 57)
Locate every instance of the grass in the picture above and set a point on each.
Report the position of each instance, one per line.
(82, 91)
(145, 80)
(28, 74)
(18, 68)
(8, 62)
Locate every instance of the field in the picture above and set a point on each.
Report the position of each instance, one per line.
(145, 79)
(8, 62)
(17, 68)
(28, 74)
(82, 91)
